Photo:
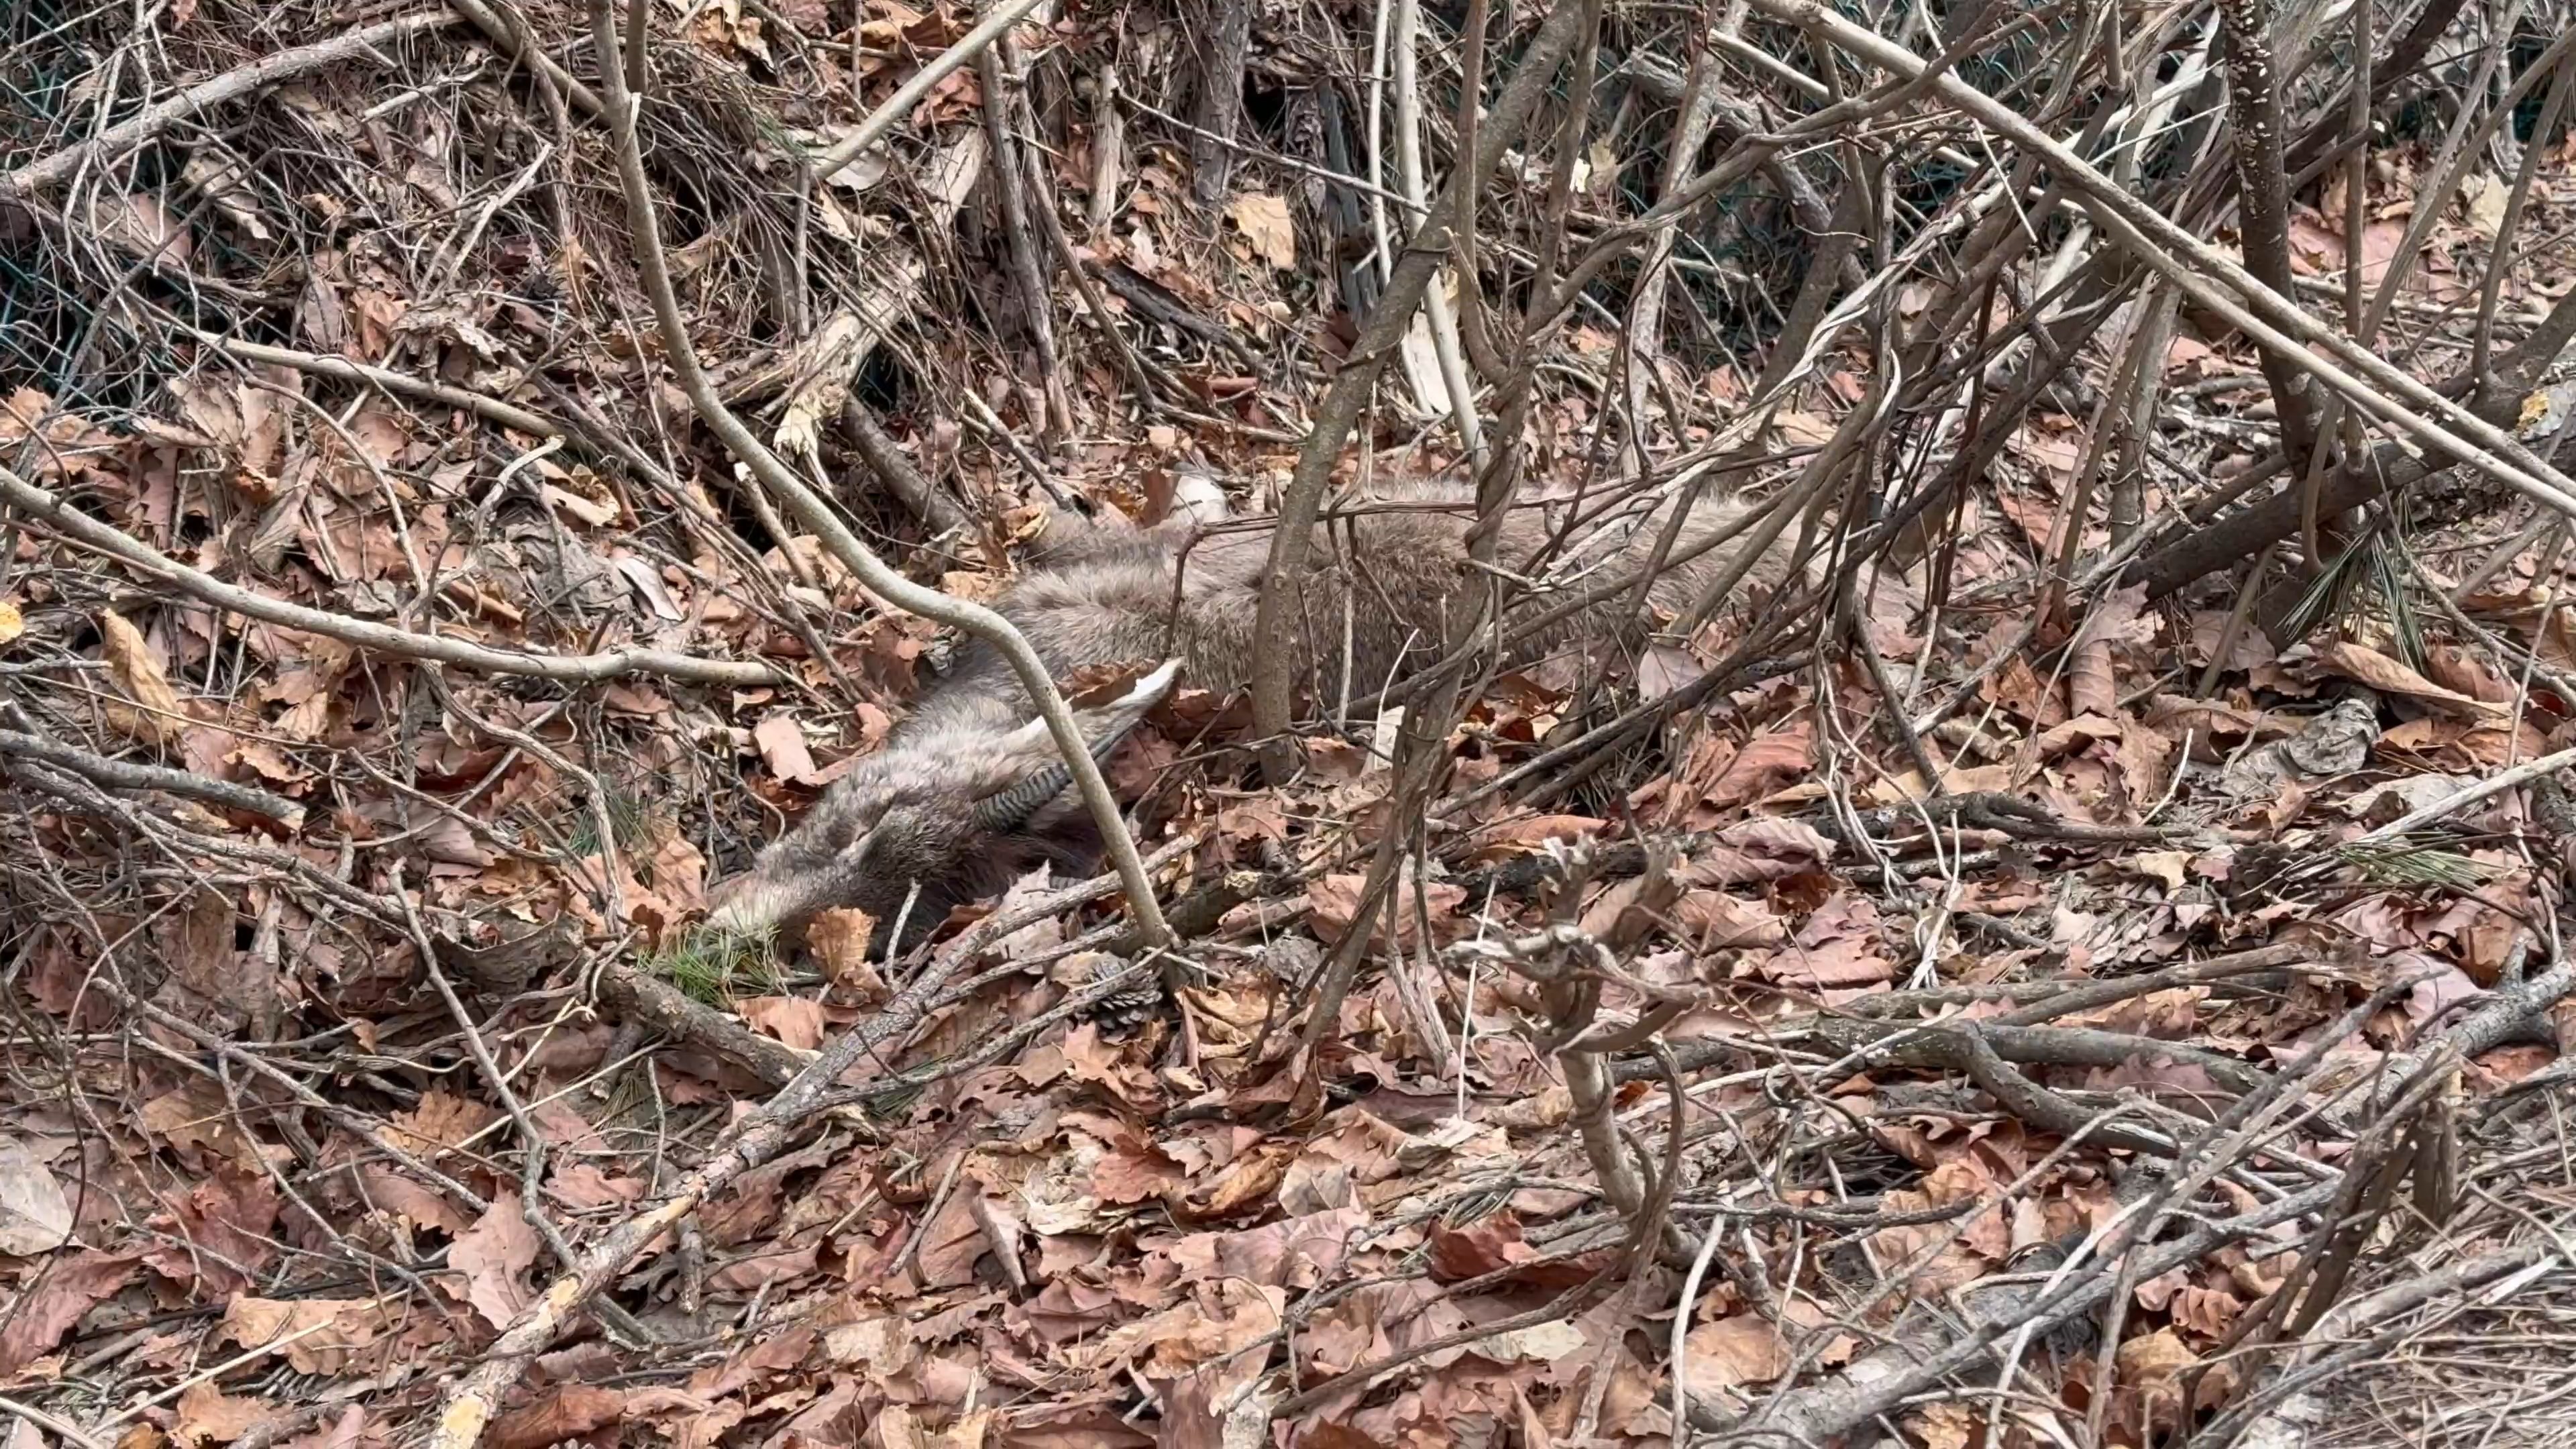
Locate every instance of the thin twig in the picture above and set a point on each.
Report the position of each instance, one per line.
(357, 45)
(2486, 789)
(896, 107)
(752, 1139)
(80, 528)
(122, 775)
(2372, 383)
(1282, 586)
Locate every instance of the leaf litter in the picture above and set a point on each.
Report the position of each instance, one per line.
(1881, 1060)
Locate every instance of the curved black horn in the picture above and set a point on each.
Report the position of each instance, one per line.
(1011, 807)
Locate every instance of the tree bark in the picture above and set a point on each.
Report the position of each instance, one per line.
(1220, 100)
(2263, 200)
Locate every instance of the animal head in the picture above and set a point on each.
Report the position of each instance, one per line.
(948, 813)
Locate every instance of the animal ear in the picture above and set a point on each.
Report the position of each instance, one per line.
(1010, 807)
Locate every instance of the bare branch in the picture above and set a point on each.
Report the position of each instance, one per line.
(899, 105)
(268, 70)
(2380, 388)
(2263, 196)
(80, 528)
(753, 1139)
(1273, 690)
(123, 775)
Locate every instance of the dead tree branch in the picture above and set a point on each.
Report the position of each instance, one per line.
(753, 1139)
(2367, 381)
(268, 70)
(124, 775)
(76, 527)
(2263, 196)
(896, 107)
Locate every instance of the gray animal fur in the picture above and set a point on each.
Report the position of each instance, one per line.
(1103, 595)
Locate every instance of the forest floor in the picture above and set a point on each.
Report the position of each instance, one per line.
(2028, 1004)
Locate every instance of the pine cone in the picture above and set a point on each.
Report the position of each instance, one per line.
(1131, 1007)
(1122, 1011)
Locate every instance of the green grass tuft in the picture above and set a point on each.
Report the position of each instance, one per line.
(2393, 863)
(711, 964)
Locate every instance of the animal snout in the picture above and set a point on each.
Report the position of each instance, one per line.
(749, 903)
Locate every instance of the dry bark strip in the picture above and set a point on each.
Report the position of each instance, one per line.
(1229, 45)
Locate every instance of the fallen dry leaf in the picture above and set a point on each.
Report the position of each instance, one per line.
(194, 1117)
(680, 874)
(222, 1228)
(1333, 903)
(1766, 762)
(565, 1412)
(791, 1019)
(2091, 685)
(1732, 1352)
(441, 1121)
(2391, 676)
(1838, 948)
(493, 1256)
(208, 1415)
(35, 1217)
(1715, 921)
(69, 1287)
(1263, 220)
(838, 941)
(2209, 1312)
(1944, 1425)
(2165, 865)
(2458, 669)
(1750, 851)
(136, 670)
(2152, 1367)
(782, 748)
(1486, 1245)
